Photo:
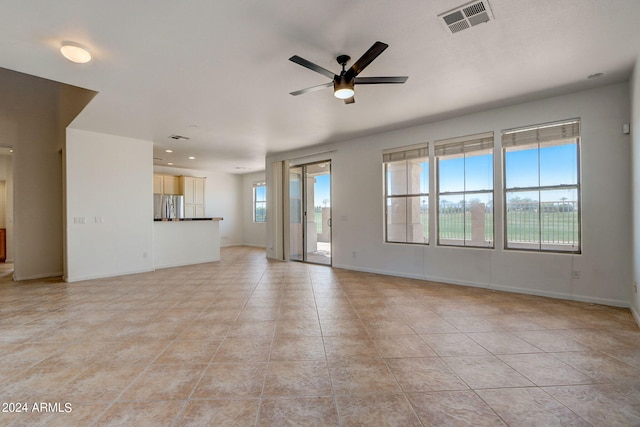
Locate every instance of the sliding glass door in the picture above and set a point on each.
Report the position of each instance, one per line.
(310, 212)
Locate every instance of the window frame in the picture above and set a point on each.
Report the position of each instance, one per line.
(511, 190)
(256, 185)
(461, 146)
(406, 154)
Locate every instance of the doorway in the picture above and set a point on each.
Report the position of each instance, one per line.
(310, 212)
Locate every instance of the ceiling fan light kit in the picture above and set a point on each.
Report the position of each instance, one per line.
(342, 89)
(343, 83)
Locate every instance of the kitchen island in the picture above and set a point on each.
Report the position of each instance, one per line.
(186, 241)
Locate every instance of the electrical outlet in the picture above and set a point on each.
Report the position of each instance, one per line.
(145, 254)
(575, 274)
(353, 254)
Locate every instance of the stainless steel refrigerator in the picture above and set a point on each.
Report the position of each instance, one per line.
(166, 206)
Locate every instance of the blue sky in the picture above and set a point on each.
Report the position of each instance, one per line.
(521, 171)
(522, 166)
(322, 191)
(261, 193)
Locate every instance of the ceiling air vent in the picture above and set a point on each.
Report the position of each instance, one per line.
(466, 16)
(179, 137)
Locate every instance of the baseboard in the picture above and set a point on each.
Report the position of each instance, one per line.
(228, 245)
(36, 276)
(562, 295)
(381, 272)
(636, 315)
(195, 262)
(103, 276)
(492, 286)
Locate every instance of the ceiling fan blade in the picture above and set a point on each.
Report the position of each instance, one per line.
(311, 89)
(366, 59)
(351, 100)
(312, 66)
(379, 80)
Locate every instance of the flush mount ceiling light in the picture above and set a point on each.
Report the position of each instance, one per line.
(75, 52)
(595, 76)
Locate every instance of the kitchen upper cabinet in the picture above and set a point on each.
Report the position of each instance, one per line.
(188, 189)
(166, 184)
(171, 184)
(157, 184)
(198, 194)
(193, 189)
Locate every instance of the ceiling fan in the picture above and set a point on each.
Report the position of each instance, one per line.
(343, 84)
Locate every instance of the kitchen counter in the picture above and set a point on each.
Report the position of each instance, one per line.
(186, 241)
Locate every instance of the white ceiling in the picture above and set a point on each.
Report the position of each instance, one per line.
(218, 71)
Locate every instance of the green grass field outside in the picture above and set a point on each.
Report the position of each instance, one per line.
(553, 227)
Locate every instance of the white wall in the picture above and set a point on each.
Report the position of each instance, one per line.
(222, 198)
(635, 144)
(605, 262)
(254, 233)
(109, 184)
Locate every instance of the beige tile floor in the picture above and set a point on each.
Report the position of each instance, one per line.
(246, 341)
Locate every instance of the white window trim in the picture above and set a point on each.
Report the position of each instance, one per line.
(540, 136)
(391, 155)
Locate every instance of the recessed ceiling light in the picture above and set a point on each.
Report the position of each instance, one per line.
(595, 76)
(168, 151)
(11, 150)
(170, 163)
(191, 158)
(75, 52)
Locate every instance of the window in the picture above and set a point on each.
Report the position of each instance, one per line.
(259, 201)
(406, 172)
(465, 190)
(542, 187)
